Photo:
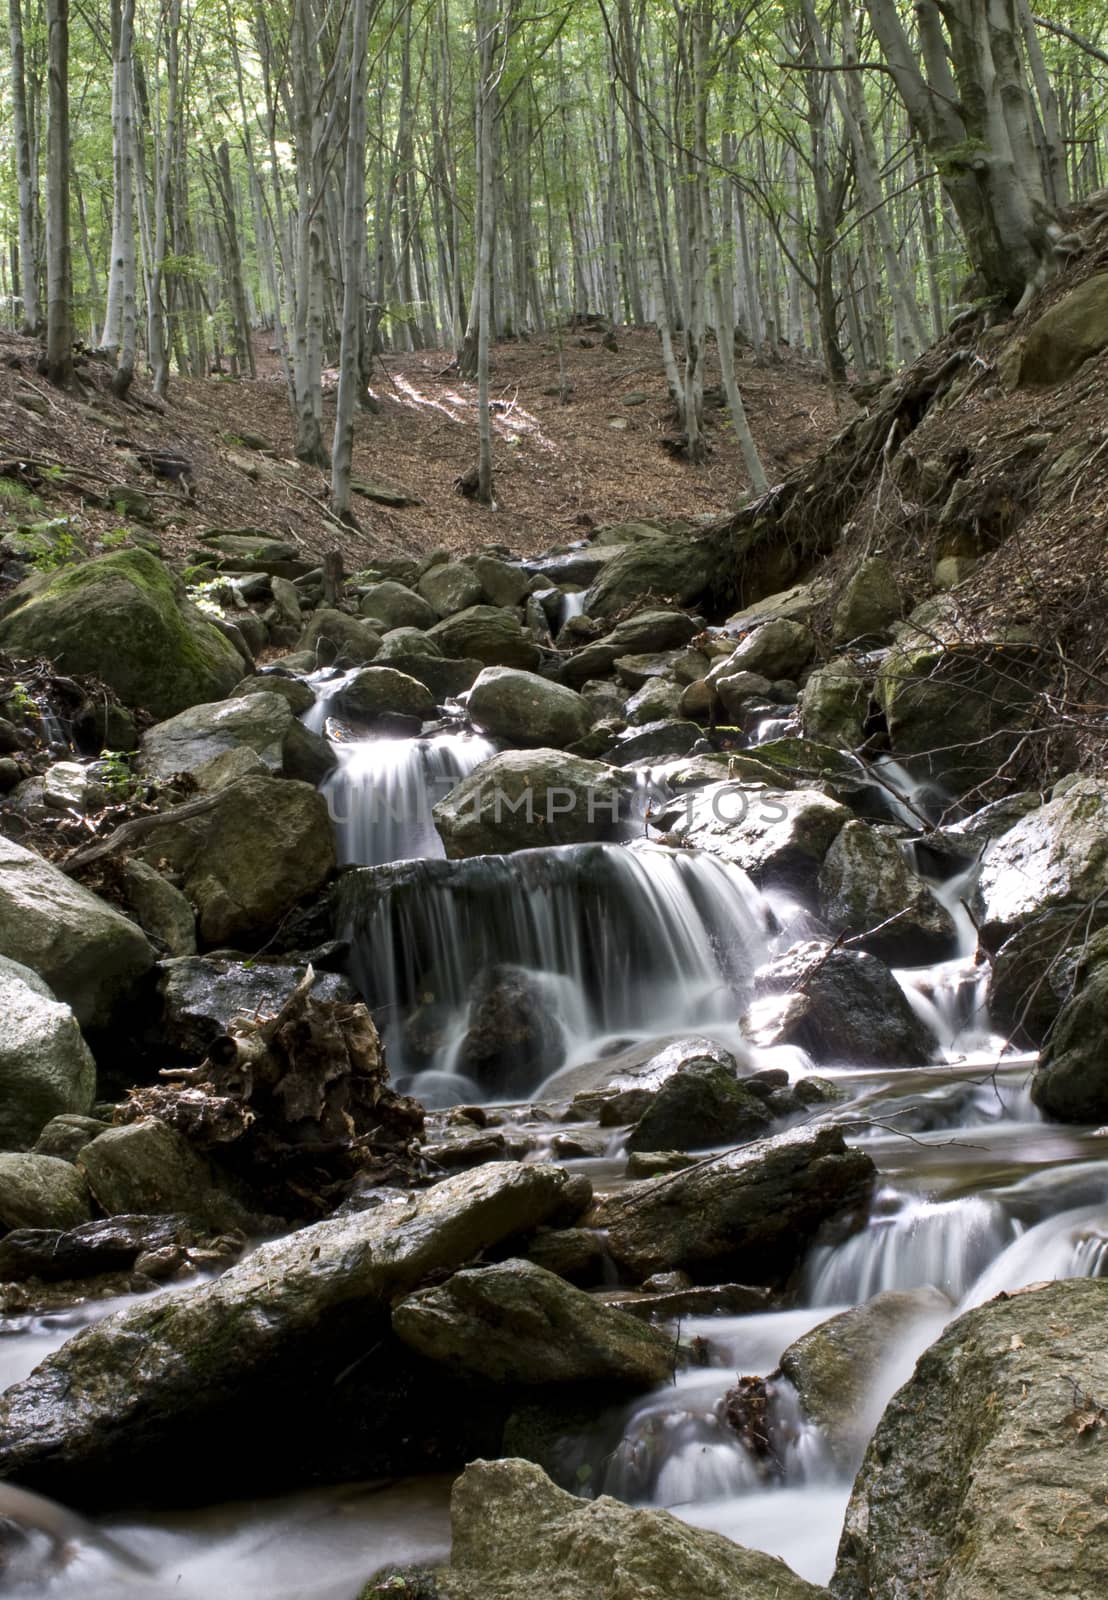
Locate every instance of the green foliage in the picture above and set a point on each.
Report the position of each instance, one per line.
(115, 776)
(115, 538)
(15, 496)
(46, 546)
(20, 705)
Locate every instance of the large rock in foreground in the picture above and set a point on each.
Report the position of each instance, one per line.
(746, 1216)
(987, 1478)
(251, 1373)
(244, 863)
(1054, 859)
(46, 1068)
(517, 1323)
(121, 618)
(516, 1533)
(778, 838)
(89, 954)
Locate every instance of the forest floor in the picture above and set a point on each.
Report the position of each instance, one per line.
(561, 468)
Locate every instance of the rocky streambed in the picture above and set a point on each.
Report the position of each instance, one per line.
(531, 1024)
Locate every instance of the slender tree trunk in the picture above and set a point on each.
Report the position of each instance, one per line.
(486, 115)
(123, 157)
(353, 243)
(59, 269)
(28, 265)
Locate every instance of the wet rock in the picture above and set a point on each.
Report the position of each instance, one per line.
(672, 570)
(573, 1253)
(122, 618)
(1071, 1081)
(748, 1215)
(525, 709)
(643, 1067)
(255, 1366)
(90, 955)
(337, 640)
(577, 564)
(41, 1192)
(986, 1478)
(529, 797)
(776, 649)
(148, 1169)
(378, 692)
(646, 631)
(513, 1039)
(109, 1245)
(671, 1305)
(836, 1368)
(841, 1006)
(46, 1068)
(194, 739)
(834, 703)
(657, 1163)
(419, 657)
(72, 786)
(263, 846)
(393, 605)
(515, 1533)
(666, 740)
(702, 1105)
(516, 1323)
(1032, 975)
(737, 692)
(65, 1136)
(867, 887)
(1055, 858)
(308, 756)
(778, 838)
(451, 587)
(202, 994)
(869, 604)
(490, 634)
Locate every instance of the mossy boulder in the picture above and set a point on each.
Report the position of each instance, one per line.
(1052, 349)
(393, 605)
(337, 640)
(834, 703)
(868, 890)
(516, 1533)
(1071, 1083)
(489, 634)
(41, 1192)
(526, 709)
(525, 798)
(670, 568)
(122, 618)
(703, 1105)
(870, 602)
(987, 1478)
(264, 845)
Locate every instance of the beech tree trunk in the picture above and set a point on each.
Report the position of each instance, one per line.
(123, 162)
(59, 267)
(28, 266)
(353, 258)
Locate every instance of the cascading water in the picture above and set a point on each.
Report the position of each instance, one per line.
(622, 941)
(381, 793)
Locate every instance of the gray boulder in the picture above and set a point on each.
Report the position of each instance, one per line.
(866, 884)
(779, 838)
(392, 605)
(646, 631)
(776, 649)
(451, 587)
(515, 1534)
(65, 1136)
(46, 1068)
(146, 1168)
(841, 1006)
(834, 703)
(870, 603)
(337, 640)
(490, 634)
(194, 740)
(665, 740)
(987, 1478)
(747, 1216)
(504, 584)
(160, 909)
(512, 1040)
(264, 845)
(377, 691)
(258, 1362)
(1071, 1081)
(300, 695)
(122, 618)
(659, 699)
(525, 709)
(417, 655)
(516, 1323)
(673, 569)
(41, 1192)
(89, 954)
(110, 1244)
(525, 798)
(1054, 858)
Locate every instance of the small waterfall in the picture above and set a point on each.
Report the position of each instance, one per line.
(573, 605)
(942, 1243)
(1073, 1244)
(770, 728)
(381, 793)
(595, 941)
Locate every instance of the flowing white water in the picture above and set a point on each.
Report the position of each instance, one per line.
(381, 794)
